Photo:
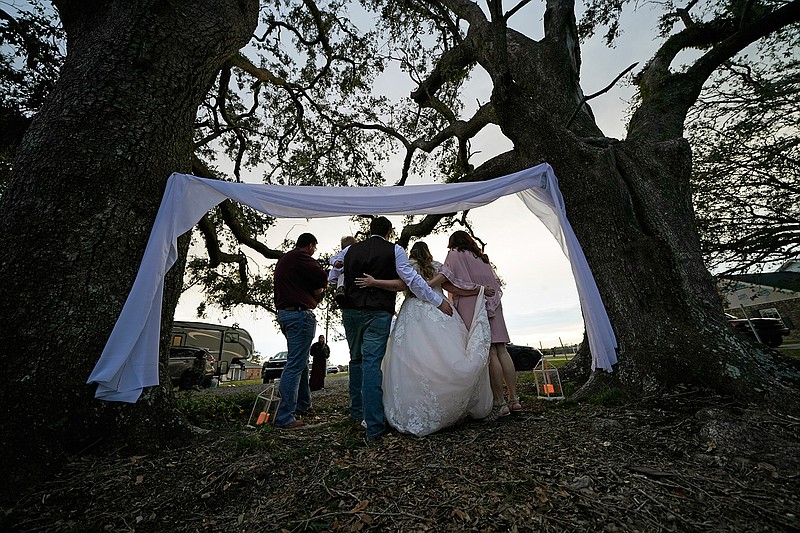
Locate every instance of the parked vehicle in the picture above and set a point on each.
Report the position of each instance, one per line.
(770, 330)
(228, 344)
(190, 367)
(524, 357)
(273, 367)
(332, 369)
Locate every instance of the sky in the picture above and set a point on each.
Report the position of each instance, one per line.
(540, 301)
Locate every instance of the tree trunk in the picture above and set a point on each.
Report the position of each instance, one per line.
(630, 206)
(629, 203)
(80, 204)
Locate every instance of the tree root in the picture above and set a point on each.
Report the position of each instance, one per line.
(599, 382)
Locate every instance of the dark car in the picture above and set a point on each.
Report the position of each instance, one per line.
(190, 367)
(273, 368)
(770, 330)
(524, 357)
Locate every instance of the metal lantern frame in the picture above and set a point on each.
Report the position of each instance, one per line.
(548, 382)
(265, 407)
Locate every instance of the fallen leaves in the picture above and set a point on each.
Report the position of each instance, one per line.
(559, 470)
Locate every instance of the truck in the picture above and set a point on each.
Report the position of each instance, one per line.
(227, 344)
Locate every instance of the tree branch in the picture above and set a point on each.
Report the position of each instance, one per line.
(467, 10)
(420, 229)
(598, 93)
(230, 216)
(450, 66)
(514, 9)
(241, 61)
(747, 34)
(668, 96)
(31, 44)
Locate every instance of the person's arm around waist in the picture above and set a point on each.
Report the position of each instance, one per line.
(394, 285)
(440, 279)
(417, 283)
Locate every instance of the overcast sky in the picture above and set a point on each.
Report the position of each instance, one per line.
(540, 300)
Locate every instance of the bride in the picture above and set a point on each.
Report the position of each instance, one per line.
(435, 371)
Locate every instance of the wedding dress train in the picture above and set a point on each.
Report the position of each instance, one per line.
(435, 371)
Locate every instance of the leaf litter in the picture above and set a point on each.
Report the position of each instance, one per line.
(686, 461)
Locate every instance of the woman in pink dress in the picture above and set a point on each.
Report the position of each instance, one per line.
(466, 267)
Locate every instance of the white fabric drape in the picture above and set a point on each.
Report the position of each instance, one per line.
(129, 361)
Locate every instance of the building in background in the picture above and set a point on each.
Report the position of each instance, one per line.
(767, 295)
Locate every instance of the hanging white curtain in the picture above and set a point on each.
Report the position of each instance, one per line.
(129, 361)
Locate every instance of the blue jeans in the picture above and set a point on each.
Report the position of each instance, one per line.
(367, 331)
(299, 328)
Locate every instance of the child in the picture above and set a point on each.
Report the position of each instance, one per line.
(337, 273)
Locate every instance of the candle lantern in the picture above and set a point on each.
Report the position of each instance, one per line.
(265, 407)
(548, 383)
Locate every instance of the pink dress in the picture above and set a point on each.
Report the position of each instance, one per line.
(466, 271)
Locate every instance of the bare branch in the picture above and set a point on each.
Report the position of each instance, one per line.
(242, 62)
(746, 35)
(215, 255)
(222, 95)
(420, 229)
(516, 8)
(450, 65)
(683, 13)
(676, 92)
(467, 10)
(500, 165)
(595, 95)
(230, 216)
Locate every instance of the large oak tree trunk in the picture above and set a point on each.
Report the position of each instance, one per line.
(630, 205)
(80, 203)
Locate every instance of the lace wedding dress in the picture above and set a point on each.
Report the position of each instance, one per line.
(435, 372)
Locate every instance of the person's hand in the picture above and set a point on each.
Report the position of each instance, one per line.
(445, 308)
(488, 291)
(366, 281)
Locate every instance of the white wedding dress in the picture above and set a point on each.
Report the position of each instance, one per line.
(435, 372)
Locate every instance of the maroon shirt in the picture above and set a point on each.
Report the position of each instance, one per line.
(297, 276)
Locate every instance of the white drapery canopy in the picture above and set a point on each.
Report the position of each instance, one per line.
(129, 362)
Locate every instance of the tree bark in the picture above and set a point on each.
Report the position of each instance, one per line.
(80, 203)
(629, 203)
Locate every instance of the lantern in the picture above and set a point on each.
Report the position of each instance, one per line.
(548, 383)
(265, 407)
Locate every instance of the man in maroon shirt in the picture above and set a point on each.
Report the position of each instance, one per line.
(299, 285)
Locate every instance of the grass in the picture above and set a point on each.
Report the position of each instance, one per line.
(794, 353)
(558, 362)
(211, 411)
(610, 397)
(240, 382)
(257, 381)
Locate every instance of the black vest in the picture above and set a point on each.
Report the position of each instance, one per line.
(374, 256)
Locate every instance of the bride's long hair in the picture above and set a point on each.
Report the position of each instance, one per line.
(422, 256)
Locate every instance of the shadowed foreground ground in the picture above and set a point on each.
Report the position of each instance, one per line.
(683, 462)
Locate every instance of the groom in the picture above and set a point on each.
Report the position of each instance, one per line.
(367, 317)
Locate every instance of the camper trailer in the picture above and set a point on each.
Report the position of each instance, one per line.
(228, 344)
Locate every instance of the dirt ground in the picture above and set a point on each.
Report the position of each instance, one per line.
(681, 462)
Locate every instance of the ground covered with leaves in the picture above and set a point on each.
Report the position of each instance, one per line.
(686, 461)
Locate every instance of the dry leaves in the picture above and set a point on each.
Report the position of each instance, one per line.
(643, 468)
